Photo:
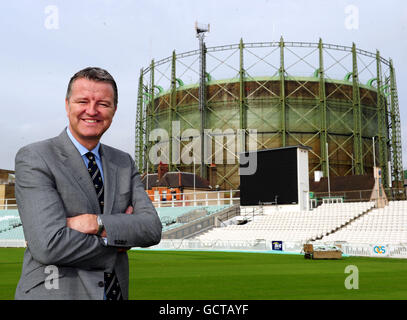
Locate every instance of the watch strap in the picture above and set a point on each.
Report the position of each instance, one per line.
(101, 227)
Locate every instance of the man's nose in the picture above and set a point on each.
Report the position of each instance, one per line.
(91, 109)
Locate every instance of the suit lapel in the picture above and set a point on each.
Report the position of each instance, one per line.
(110, 177)
(76, 168)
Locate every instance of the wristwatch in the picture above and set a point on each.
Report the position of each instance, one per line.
(101, 227)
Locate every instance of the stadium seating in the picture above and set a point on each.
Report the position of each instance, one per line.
(10, 226)
(169, 215)
(10, 223)
(357, 222)
(12, 234)
(382, 225)
(291, 226)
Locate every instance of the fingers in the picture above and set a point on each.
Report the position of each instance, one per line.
(129, 210)
(85, 223)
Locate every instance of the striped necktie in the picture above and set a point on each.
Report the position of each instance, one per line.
(96, 179)
(112, 287)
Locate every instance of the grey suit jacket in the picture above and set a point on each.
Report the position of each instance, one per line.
(52, 183)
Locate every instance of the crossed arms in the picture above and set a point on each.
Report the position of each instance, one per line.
(86, 223)
(54, 238)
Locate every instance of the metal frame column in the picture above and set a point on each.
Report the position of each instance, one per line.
(381, 115)
(202, 99)
(139, 128)
(396, 131)
(282, 94)
(242, 102)
(323, 113)
(171, 109)
(357, 117)
(151, 116)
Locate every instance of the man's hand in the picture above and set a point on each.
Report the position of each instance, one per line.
(129, 210)
(85, 223)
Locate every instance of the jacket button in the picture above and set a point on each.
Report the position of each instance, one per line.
(101, 284)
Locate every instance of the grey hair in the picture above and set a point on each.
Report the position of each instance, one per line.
(94, 74)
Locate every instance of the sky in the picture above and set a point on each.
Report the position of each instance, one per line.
(43, 43)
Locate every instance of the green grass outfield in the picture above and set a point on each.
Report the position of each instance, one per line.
(195, 275)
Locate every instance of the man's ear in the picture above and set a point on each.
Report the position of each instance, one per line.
(66, 106)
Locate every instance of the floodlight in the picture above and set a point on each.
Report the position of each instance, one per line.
(201, 28)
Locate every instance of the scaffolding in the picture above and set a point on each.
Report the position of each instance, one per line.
(291, 93)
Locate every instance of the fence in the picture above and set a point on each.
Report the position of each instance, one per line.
(392, 194)
(201, 198)
(262, 245)
(293, 247)
(376, 250)
(207, 198)
(9, 203)
(15, 243)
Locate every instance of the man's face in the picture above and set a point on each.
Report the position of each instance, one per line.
(90, 110)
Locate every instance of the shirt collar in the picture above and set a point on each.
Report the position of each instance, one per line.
(82, 150)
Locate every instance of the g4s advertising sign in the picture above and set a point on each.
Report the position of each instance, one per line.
(380, 250)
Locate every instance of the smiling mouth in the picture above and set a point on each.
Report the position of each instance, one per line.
(90, 121)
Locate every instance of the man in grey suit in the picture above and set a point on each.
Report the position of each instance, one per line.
(81, 203)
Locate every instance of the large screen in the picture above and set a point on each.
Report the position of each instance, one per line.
(274, 180)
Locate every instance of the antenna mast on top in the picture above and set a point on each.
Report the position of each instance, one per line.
(201, 29)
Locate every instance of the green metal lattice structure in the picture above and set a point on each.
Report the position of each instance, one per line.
(290, 93)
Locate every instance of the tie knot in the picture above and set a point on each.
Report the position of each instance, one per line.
(90, 156)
